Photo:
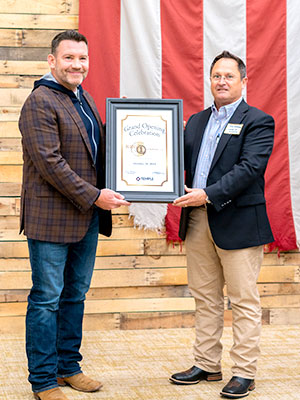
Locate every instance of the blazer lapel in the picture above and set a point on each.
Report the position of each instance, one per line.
(236, 118)
(70, 108)
(203, 120)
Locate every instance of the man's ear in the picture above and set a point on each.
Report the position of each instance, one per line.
(51, 60)
(244, 82)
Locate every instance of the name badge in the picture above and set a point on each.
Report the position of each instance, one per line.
(233, 129)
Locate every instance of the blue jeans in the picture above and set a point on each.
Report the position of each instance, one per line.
(61, 276)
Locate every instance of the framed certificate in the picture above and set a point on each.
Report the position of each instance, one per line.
(144, 149)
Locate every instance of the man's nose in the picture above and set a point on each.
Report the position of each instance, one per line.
(222, 79)
(76, 63)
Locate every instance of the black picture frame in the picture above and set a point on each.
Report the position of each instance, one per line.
(138, 131)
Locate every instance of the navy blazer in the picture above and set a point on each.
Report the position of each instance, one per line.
(235, 184)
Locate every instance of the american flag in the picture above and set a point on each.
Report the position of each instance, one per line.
(164, 48)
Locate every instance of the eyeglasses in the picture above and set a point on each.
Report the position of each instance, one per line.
(227, 78)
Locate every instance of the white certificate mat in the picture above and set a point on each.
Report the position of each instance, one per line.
(144, 154)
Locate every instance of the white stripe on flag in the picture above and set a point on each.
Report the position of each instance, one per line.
(293, 100)
(140, 74)
(224, 28)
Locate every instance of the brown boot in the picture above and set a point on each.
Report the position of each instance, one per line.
(51, 394)
(80, 382)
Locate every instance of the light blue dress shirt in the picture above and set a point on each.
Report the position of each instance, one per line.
(213, 131)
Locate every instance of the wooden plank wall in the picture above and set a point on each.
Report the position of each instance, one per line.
(139, 280)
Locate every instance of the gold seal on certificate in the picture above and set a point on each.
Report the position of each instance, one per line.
(138, 148)
(145, 148)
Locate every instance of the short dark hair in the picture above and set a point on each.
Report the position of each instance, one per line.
(227, 54)
(70, 34)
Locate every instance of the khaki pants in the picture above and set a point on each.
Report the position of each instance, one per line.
(209, 267)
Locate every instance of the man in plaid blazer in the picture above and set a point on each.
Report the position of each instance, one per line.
(64, 207)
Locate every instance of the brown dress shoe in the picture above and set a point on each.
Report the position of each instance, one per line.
(51, 394)
(80, 382)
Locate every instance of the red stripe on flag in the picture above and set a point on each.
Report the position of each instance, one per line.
(182, 68)
(182, 53)
(99, 21)
(267, 90)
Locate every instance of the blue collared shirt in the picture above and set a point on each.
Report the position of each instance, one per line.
(213, 131)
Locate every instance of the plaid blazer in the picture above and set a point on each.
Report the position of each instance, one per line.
(59, 177)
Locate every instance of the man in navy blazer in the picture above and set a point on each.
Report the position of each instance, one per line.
(225, 225)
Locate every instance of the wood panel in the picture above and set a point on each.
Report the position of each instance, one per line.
(12, 324)
(13, 97)
(290, 273)
(13, 250)
(285, 316)
(100, 293)
(144, 261)
(11, 157)
(113, 262)
(146, 305)
(11, 144)
(24, 53)
(9, 206)
(56, 7)
(132, 277)
(106, 248)
(140, 281)
(15, 67)
(158, 320)
(118, 233)
(283, 290)
(8, 113)
(122, 321)
(11, 173)
(9, 222)
(38, 21)
(108, 278)
(9, 189)
(115, 305)
(27, 37)
(9, 129)
(153, 320)
(17, 81)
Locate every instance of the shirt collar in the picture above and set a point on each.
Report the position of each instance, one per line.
(225, 111)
